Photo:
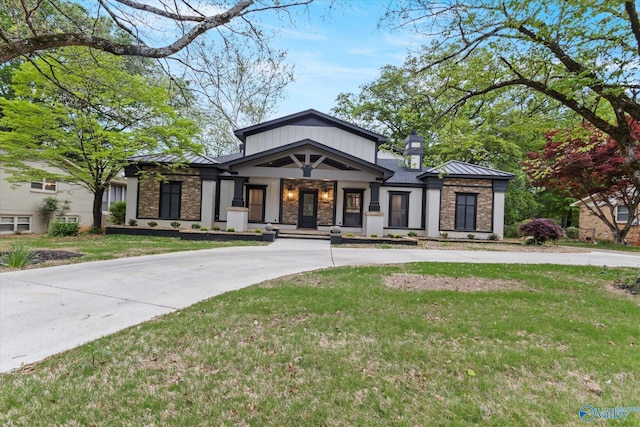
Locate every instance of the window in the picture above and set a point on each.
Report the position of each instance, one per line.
(255, 198)
(68, 219)
(622, 214)
(352, 215)
(170, 195)
(45, 185)
(15, 223)
(399, 210)
(466, 211)
(115, 193)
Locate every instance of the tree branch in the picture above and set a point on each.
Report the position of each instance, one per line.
(630, 8)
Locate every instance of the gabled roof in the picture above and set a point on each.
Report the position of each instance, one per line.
(190, 158)
(401, 174)
(456, 169)
(307, 143)
(309, 118)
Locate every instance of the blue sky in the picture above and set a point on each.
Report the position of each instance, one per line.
(338, 53)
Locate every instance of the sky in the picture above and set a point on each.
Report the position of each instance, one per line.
(338, 53)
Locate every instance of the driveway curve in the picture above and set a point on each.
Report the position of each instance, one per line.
(50, 310)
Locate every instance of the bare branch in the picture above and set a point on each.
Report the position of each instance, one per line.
(630, 8)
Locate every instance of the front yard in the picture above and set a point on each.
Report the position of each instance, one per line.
(417, 344)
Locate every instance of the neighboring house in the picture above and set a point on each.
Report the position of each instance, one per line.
(593, 228)
(310, 170)
(20, 204)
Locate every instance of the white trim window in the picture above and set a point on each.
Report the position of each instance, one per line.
(115, 193)
(46, 185)
(622, 215)
(68, 219)
(15, 224)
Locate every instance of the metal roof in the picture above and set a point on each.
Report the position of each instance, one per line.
(456, 169)
(190, 158)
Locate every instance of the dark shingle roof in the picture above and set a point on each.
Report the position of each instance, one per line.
(456, 169)
(228, 157)
(401, 175)
(192, 159)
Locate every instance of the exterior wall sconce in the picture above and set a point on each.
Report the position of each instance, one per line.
(325, 196)
(289, 192)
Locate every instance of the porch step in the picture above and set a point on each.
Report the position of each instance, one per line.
(304, 234)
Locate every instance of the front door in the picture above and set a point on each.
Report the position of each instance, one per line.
(308, 210)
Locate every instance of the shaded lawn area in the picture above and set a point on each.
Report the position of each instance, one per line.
(340, 347)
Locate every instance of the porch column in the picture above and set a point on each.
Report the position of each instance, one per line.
(238, 187)
(432, 226)
(374, 219)
(374, 205)
(499, 190)
(237, 214)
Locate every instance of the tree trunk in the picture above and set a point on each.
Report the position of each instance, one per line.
(619, 236)
(96, 227)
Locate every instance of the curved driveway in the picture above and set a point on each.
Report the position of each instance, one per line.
(49, 310)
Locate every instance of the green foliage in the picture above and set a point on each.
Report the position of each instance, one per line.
(175, 224)
(494, 237)
(51, 206)
(18, 257)
(572, 232)
(215, 228)
(117, 212)
(203, 229)
(196, 226)
(152, 224)
(444, 234)
(471, 236)
(133, 222)
(412, 234)
(61, 228)
(108, 112)
(374, 235)
(231, 229)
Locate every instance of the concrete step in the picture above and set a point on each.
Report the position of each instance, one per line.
(303, 234)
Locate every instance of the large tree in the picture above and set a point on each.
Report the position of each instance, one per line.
(72, 114)
(586, 164)
(582, 54)
(33, 26)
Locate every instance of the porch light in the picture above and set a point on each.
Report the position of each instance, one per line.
(289, 192)
(325, 196)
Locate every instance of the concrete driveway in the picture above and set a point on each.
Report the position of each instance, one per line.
(49, 310)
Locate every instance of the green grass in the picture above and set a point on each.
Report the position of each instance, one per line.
(606, 245)
(100, 247)
(338, 347)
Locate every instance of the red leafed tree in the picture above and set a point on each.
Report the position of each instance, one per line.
(587, 164)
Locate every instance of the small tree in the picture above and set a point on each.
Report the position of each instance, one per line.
(542, 230)
(117, 212)
(51, 207)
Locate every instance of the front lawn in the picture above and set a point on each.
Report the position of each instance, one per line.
(96, 247)
(495, 345)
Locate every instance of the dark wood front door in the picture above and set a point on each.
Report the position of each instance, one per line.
(308, 209)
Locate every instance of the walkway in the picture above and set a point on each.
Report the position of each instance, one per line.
(49, 310)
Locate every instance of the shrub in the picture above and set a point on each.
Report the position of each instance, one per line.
(572, 232)
(215, 228)
(257, 230)
(152, 223)
(61, 228)
(374, 235)
(196, 226)
(117, 212)
(542, 230)
(397, 236)
(471, 236)
(231, 229)
(133, 222)
(18, 257)
(494, 236)
(204, 229)
(511, 231)
(444, 234)
(412, 234)
(349, 235)
(175, 224)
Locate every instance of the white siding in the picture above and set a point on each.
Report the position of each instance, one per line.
(272, 197)
(333, 137)
(415, 205)
(21, 200)
(226, 196)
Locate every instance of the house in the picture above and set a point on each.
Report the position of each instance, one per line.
(593, 228)
(20, 204)
(313, 171)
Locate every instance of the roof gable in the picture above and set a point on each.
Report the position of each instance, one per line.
(309, 118)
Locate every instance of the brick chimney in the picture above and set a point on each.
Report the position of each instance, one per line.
(413, 151)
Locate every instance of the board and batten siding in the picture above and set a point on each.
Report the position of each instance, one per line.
(415, 205)
(337, 139)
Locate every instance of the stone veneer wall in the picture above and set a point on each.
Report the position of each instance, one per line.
(290, 208)
(190, 202)
(484, 210)
(593, 229)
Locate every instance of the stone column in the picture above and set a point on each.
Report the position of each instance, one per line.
(499, 190)
(432, 207)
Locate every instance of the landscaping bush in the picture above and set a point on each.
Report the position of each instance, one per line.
(215, 228)
(412, 234)
(196, 226)
(541, 230)
(231, 229)
(152, 223)
(471, 236)
(494, 237)
(133, 222)
(61, 228)
(511, 231)
(175, 224)
(18, 257)
(572, 232)
(117, 212)
(444, 234)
